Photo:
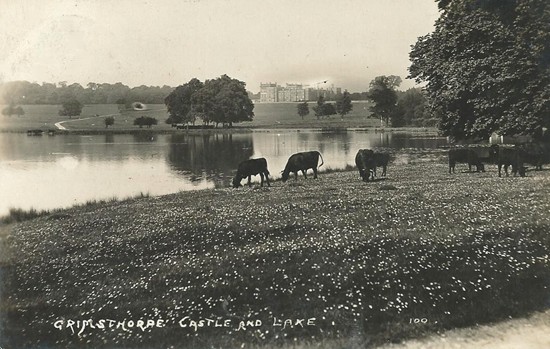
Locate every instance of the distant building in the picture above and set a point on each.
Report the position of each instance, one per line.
(271, 92)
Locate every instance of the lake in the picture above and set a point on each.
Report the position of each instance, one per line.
(46, 172)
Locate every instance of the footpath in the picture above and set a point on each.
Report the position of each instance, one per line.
(61, 127)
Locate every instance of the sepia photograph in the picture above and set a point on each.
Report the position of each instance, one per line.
(274, 174)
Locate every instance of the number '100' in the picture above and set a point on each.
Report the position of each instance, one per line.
(418, 321)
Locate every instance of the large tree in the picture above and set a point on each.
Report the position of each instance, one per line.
(222, 100)
(410, 108)
(487, 67)
(343, 104)
(70, 107)
(178, 102)
(232, 101)
(303, 109)
(382, 92)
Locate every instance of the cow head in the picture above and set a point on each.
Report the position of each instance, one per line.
(236, 182)
(285, 176)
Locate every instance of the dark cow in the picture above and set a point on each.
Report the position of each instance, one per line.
(465, 155)
(505, 156)
(484, 153)
(251, 168)
(536, 154)
(381, 160)
(302, 162)
(366, 164)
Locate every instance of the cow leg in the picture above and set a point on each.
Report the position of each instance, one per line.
(249, 182)
(384, 171)
(296, 175)
(304, 172)
(314, 173)
(469, 167)
(267, 179)
(261, 179)
(499, 167)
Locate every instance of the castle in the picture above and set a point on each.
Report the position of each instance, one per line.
(272, 92)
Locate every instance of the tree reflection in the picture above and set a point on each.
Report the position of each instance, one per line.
(211, 156)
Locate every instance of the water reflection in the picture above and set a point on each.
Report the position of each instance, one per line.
(211, 156)
(50, 172)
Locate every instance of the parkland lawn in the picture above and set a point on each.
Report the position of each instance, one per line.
(362, 259)
(267, 115)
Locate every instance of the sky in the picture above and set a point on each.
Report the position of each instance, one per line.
(169, 42)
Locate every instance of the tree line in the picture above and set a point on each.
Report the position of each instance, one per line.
(395, 108)
(24, 92)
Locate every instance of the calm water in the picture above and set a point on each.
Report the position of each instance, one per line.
(50, 172)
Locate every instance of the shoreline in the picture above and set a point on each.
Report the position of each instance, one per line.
(269, 128)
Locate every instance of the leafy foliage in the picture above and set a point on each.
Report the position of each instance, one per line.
(24, 92)
(410, 109)
(323, 109)
(303, 109)
(382, 93)
(145, 121)
(487, 67)
(71, 107)
(109, 121)
(223, 100)
(343, 104)
(13, 110)
(178, 102)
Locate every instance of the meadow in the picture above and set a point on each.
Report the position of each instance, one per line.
(267, 115)
(45, 116)
(417, 253)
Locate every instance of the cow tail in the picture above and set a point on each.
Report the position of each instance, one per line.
(322, 162)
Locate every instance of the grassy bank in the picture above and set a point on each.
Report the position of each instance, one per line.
(267, 115)
(17, 215)
(363, 259)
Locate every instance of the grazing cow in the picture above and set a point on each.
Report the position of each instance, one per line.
(483, 153)
(536, 154)
(381, 160)
(366, 164)
(509, 157)
(465, 155)
(251, 168)
(302, 162)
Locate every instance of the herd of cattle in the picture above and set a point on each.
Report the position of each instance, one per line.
(368, 160)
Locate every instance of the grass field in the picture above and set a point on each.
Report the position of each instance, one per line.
(364, 259)
(45, 116)
(267, 115)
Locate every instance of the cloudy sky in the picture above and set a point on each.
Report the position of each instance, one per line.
(168, 42)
